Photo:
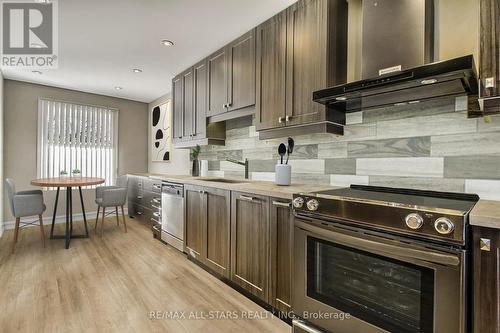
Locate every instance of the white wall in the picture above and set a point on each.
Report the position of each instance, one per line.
(179, 158)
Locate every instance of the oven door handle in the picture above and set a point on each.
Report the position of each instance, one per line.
(379, 247)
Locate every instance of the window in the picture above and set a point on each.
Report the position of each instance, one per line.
(76, 136)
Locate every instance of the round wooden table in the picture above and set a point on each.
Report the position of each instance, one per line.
(68, 183)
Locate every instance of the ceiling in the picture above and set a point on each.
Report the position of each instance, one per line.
(100, 42)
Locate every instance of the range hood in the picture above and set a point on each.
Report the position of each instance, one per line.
(445, 78)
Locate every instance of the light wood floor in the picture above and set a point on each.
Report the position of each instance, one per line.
(111, 284)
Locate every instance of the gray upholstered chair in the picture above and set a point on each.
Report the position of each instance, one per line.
(111, 196)
(24, 204)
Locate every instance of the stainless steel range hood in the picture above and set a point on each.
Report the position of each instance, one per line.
(445, 78)
(396, 59)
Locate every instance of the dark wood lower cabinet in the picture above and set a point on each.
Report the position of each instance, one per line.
(486, 280)
(250, 243)
(194, 223)
(208, 227)
(281, 243)
(217, 228)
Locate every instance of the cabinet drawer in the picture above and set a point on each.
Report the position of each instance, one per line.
(140, 212)
(152, 185)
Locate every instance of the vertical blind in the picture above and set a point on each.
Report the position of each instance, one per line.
(76, 136)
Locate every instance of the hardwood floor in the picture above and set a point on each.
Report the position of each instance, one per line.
(112, 284)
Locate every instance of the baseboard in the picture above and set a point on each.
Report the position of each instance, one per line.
(59, 219)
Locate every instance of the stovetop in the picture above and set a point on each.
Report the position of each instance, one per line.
(441, 216)
(422, 199)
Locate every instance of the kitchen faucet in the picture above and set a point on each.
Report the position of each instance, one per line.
(244, 163)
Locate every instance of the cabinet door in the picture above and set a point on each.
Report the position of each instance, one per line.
(250, 243)
(241, 74)
(271, 70)
(178, 108)
(306, 60)
(200, 101)
(281, 222)
(188, 101)
(195, 217)
(490, 45)
(486, 265)
(217, 82)
(217, 230)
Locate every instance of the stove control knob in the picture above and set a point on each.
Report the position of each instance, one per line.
(414, 221)
(298, 202)
(444, 226)
(313, 204)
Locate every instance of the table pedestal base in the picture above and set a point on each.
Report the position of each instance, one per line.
(69, 217)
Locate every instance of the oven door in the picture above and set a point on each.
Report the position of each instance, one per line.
(347, 280)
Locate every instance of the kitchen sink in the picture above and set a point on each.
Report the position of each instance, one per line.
(224, 180)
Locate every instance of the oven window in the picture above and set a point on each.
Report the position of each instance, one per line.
(390, 294)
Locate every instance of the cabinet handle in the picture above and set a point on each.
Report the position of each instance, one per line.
(224, 106)
(157, 186)
(156, 200)
(247, 198)
(282, 204)
(139, 197)
(288, 118)
(156, 207)
(229, 105)
(280, 120)
(139, 213)
(201, 191)
(158, 222)
(156, 214)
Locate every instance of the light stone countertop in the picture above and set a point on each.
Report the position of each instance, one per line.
(486, 213)
(244, 185)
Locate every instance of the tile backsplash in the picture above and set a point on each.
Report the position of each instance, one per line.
(430, 145)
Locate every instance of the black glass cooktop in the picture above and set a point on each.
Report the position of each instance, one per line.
(456, 201)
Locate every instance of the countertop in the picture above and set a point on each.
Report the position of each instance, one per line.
(244, 185)
(486, 213)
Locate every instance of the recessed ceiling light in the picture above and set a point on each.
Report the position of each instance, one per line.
(37, 72)
(36, 45)
(118, 88)
(137, 70)
(167, 42)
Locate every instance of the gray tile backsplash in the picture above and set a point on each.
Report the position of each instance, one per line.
(428, 145)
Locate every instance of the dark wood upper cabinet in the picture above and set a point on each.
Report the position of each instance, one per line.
(271, 72)
(486, 280)
(250, 243)
(307, 27)
(200, 99)
(314, 38)
(217, 82)
(489, 46)
(195, 217)
(216, 243)
(241, 72)
(178, 108)
(281, 245)
(188, 101)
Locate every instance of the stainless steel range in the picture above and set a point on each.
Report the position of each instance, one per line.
(372, 259)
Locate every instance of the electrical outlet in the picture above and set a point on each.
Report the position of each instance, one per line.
(489, 82)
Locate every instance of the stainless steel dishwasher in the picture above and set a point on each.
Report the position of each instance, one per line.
(172, 214)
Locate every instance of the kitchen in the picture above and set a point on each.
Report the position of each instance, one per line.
(328, 166)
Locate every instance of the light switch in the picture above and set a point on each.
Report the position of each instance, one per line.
(489, 82)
